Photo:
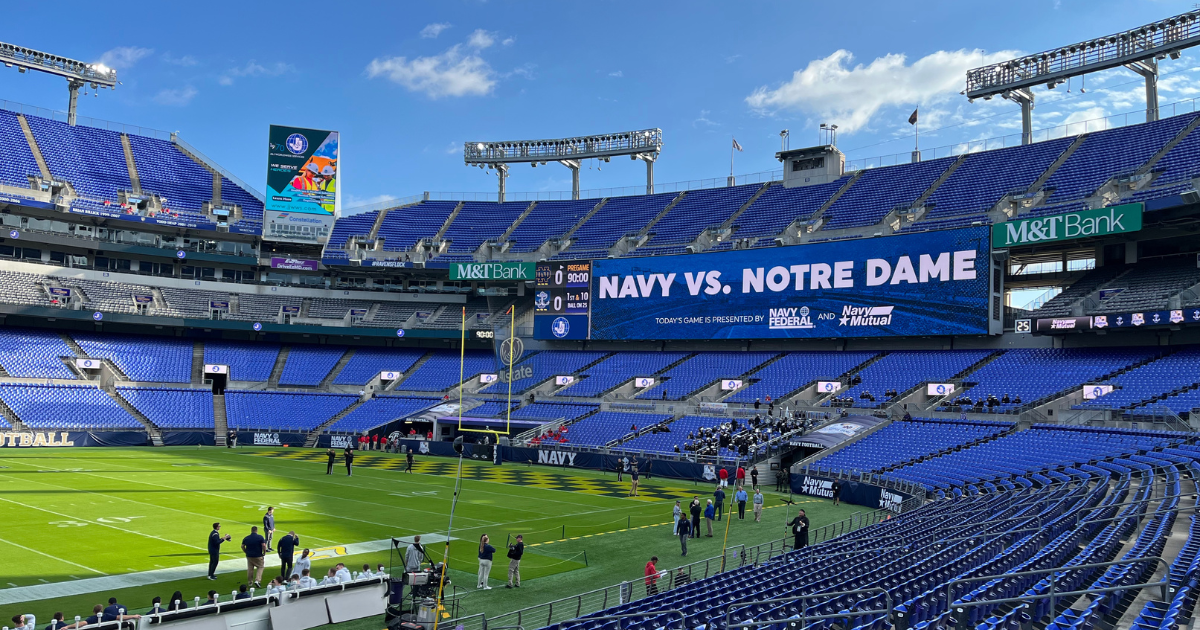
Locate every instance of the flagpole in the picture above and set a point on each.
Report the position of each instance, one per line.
(917, 131)
(731, 141)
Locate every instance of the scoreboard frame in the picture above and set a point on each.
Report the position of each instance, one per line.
(562, 305)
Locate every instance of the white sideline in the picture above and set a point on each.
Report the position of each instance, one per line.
(145, 578)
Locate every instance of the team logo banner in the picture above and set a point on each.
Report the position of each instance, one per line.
(302, 177)
(919, 284)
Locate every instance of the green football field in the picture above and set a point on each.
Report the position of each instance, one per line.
(81, 525)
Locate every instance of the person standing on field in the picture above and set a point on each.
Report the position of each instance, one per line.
(485, 562)
(740, 496)
(332, 456)
(676, 514)
(287, 551)
(799, 527)
(695, 509)
(255, 548)
(349, 456)
(515, 551)
(758, 505)
(723, 477)
(408, 457)
(633, 480)
(719, 496)
(269, 526)
(685, 532)
(754, 477)
(214, 549)
(709, 513)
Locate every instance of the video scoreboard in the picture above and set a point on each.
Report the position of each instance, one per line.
(562, 299)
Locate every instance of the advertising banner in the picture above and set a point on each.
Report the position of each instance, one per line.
(1092, 392)
(853, 492)
(933, 283)
(52, 439)
(277, 439)
(642, 382)
(836, 433)
(87, 364)
(828, 387)
(62, 292)
(293, 264)
(1061, 227)
(1053, 325)
(488, 378)
(389, 376)
(143, 298)
(729, 385)
(496, 271)
(302, 176)
(210, 368)
(219, 305)
(1190, 316)
(564, 380)
(939, 389)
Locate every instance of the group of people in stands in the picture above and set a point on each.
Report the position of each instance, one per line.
(117, 612)
(558, 435)
(989, 402)
(744, 439)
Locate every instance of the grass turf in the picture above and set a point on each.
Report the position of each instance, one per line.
(84, 513)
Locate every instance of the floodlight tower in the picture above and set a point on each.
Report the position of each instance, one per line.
(642, 145)
(77, 73)
(1138, 49)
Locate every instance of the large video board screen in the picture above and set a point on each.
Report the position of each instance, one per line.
(931, 283)
(302, 178)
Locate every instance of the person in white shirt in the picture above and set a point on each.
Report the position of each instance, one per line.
(379, 572)
(24, 622)
(294, 583)
(303, 564)
(276, 586)
(306, 581)
(365, 573)
(330, 579)
(342, 574)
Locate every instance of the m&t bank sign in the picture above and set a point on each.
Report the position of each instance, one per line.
(1061, 227)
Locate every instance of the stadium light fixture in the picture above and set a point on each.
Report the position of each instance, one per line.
(77, 73)
(645, 145)
(1137, 49)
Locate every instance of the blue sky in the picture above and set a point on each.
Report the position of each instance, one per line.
(406, 83)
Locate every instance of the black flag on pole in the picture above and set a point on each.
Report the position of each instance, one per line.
(912, 120)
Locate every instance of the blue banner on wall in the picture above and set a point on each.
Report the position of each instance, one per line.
(852, 492)
(932, 283)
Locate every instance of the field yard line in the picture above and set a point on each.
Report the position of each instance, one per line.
(156, 505)
(156, 576)
(120, 529)
(503, 494)
(347, 518)
(42, 553)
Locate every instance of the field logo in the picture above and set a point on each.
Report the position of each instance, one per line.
(890, 501)
(814, 487)
(556, 458)
(297, 143)
(560, 327)
(267, 439)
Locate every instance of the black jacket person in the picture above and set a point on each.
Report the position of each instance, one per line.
(799, 527)
(214, 549)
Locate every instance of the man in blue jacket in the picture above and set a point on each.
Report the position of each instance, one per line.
(740, 496)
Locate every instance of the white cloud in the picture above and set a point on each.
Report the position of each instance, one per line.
(176, 97)
(453, 148)
(123, 57)
(618, 74)
(850, 96)
(186, 61)
(254, 69)
(431, 31)
(526, 71)
(481, 39)
(354, 201)
(449, 74)
(508, 41)
(704, 121)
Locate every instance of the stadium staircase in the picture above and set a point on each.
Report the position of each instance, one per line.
(394, 385)
(216, 174)
(220, 419)
(748, 378)
(897, 403)
(198, 362)
(845, 380)
(578, 224)
(327, 382)
(378, 222)
(134, 179)
(277, 370)
(706, 238)
(154, 432)
(1054, 166)
(1183, 133)
(502, 240)
(311, 440)
(33, 146)
(75, 347)
(8, 414)
(436, 241)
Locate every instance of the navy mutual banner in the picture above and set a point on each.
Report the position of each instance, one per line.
(853, 492)
(933, 283)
